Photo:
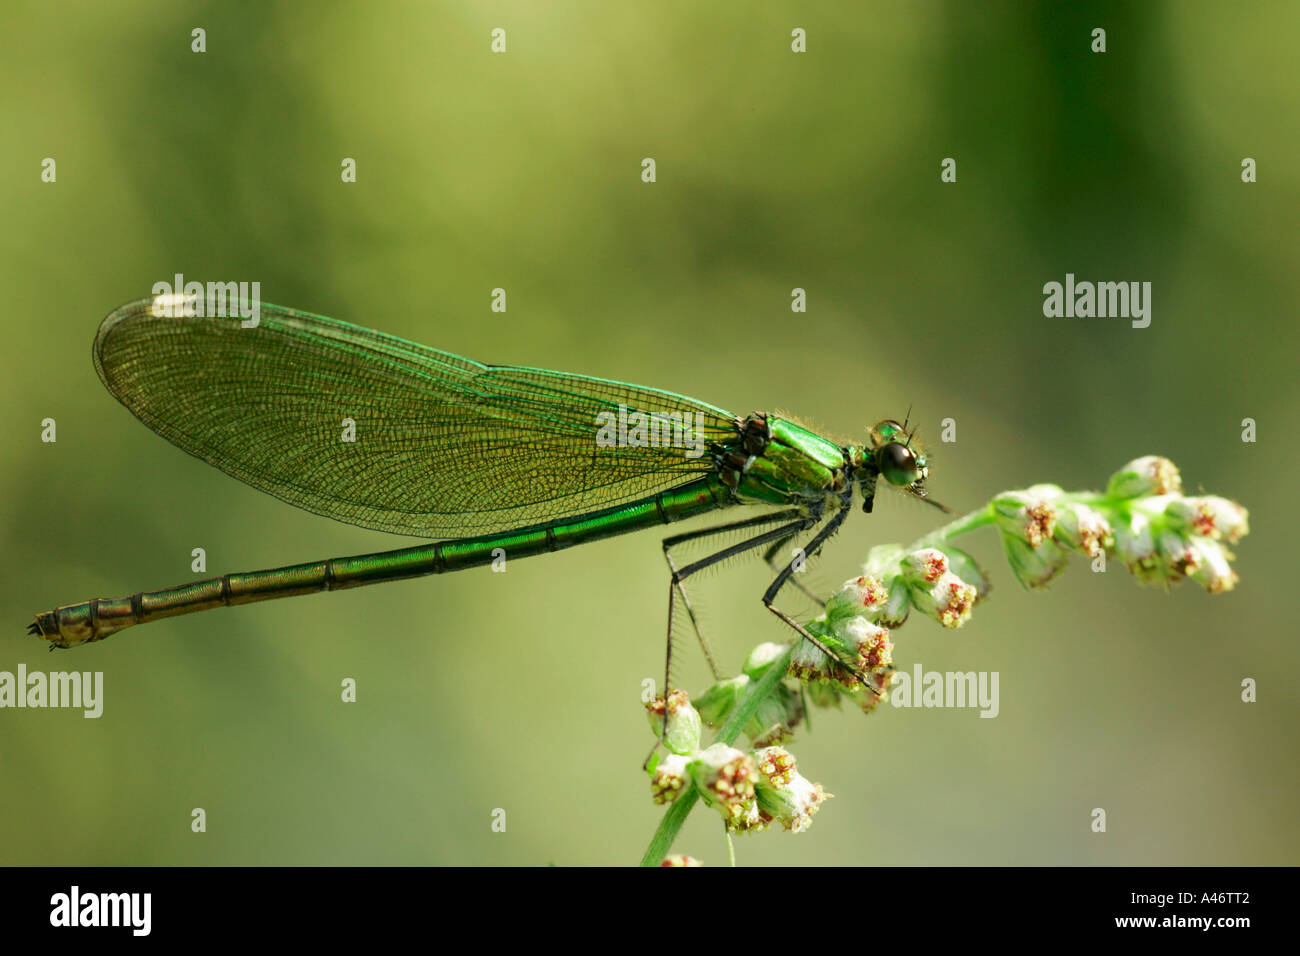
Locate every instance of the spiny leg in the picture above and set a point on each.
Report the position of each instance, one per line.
(770, 555)
(801, 523)
(770, 594)
(673, 541)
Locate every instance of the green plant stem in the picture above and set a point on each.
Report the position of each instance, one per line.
(967, 523)
(672, 821)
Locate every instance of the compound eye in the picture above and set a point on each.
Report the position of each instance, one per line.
(898, 464)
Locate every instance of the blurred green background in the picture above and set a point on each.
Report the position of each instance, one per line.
(776, 170)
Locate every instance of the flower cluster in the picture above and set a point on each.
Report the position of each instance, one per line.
(750, 789)
(942, 584)
(1143, 519)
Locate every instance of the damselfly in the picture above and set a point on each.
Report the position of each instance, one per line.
(496, 461)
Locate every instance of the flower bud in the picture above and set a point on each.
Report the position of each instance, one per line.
(775, 764)
(869, 643)
(1178, 558)
(1083, 529)
(1034, 567)
(683, 733)
(1209, 516)
(1212, 570)
(809, 663)
(726, 777)
(1025, 516)
(680, 859)
(1149, 475)
(866, 592)
(949, 600)
(670, 778)
(794, 803)
(1135, 543)
(924, 567)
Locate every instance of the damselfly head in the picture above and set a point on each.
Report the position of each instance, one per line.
(897, 458)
